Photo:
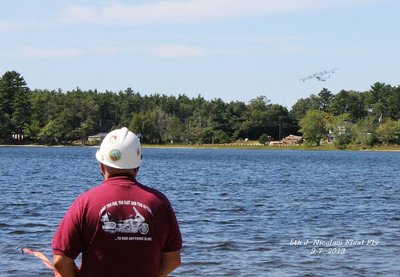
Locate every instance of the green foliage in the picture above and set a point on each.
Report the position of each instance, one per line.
(341, 141)
(342, 130)
(65, 117)
(300, 108)
(314, 127)
(389, 132)
(325, 98)
(264, 139)
(364, 132)
(15, 108)
(52, 132)
(262, 117)
(220, 137)
(206, 135)
(350, 103)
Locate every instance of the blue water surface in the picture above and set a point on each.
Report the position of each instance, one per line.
(241, 212)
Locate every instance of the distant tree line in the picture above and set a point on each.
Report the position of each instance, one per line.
(43, 116)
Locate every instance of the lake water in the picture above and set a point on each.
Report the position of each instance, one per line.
(241, 212)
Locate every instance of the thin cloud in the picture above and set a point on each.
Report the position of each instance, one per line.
(284, 44)
(110, 50)
(23, 51)
(176, 51)
(248, 46)
(166, 50)
(4, 26)
(18, 25)
(178, 11)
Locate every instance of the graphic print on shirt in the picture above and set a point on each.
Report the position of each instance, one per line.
(135, 223)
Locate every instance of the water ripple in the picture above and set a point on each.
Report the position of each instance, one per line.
(239, 211)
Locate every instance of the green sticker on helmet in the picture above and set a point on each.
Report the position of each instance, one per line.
(115, 155)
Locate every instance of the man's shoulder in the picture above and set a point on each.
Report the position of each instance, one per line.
(102, 191)
(153, 192)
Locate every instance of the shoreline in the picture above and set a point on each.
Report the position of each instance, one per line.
(326, 147)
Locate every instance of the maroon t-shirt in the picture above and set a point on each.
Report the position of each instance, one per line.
(121, 228)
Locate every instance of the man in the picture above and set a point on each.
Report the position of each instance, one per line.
(121, 227)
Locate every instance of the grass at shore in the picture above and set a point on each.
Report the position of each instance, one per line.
(324, 147)
(245, 145)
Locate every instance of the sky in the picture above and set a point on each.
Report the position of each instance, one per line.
(235, 50)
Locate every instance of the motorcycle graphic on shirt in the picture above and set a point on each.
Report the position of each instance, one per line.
(133, 224)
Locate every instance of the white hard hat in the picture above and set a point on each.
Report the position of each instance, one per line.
(120, 149)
